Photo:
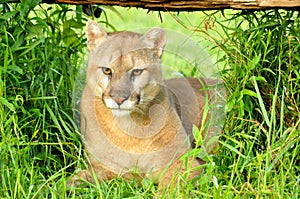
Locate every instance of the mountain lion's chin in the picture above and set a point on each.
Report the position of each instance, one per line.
(120, 112)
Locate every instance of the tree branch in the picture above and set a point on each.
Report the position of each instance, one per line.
(191, 5)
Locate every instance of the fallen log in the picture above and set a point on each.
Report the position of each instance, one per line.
(191, 5)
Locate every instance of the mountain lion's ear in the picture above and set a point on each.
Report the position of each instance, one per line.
(95, 35)
(155, 38)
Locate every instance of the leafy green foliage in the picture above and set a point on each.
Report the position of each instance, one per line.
(37, 74)
(263, 104)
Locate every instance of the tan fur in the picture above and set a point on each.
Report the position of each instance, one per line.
(149, 139)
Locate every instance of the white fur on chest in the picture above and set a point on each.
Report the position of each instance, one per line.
(121, 161)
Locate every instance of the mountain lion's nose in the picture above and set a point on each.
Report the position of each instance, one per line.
(119, 100)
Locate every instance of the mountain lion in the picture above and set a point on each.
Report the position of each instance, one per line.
(134, 124)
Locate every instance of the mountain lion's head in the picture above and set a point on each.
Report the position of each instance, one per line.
(124, 68)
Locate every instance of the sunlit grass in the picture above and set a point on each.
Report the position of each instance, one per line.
(40, 147)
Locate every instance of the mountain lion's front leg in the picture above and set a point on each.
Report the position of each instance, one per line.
(94, 172)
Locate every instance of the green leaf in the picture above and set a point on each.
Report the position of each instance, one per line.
(261, 102)
(249, 92)
(71, 23)
(15, 68)
(230, 104)
(8, 15)
(27, 5)
(9, 105)
(70, 38)
(254, 62)
(232, 149)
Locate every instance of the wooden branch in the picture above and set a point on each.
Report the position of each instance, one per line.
(191, 5)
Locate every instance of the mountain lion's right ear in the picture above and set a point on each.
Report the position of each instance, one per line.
(155, 38)
(95, 35)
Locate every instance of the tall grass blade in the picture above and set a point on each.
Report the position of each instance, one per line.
(261, 102)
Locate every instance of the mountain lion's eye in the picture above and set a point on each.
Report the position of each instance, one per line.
(106, 71)
(137, 72)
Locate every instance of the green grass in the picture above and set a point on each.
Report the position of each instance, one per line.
(42, 52)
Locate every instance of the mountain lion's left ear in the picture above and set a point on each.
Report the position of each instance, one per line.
(95, 35)
(155, 38)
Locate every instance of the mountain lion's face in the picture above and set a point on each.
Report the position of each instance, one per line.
(125, 69)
